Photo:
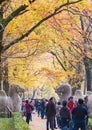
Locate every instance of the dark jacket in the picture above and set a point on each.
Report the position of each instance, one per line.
(79, 113)
(43, 105)
(50, 109)
(86, 107)
(65, 117)
(65, 113)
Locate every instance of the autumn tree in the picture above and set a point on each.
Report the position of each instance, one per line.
(78, 51)
(86, 27)
(6, 19)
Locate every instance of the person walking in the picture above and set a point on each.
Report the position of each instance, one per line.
(50, 113)
(39, 108)
(31, 110)
(71, 104)
(28, 111)
(79, 115)
(85, 104)
(23, 108)
(65, 115)
(43, 108)
(58, 118)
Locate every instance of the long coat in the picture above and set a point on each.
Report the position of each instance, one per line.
(50, 109)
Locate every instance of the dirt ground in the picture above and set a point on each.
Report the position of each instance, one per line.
(37, 123)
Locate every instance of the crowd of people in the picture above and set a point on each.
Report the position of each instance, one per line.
(66, 115)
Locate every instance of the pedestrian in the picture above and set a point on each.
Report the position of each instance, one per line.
(28, 111)
(23, 108)
(50, 113)
(71, 104)
(85, 104)
(58, 118)
(39, 108)
(43, 108)
(31, 110)
(79, 115)
(65, 115)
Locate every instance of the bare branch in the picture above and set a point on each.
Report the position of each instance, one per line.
(27, 55)
(82, 22)
(58, 60)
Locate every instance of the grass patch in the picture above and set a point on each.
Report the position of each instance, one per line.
(90, 124)
(14, 123)
(6, 124)
(19, 123)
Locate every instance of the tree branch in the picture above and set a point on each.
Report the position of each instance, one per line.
(38, 24)
(26, 55)
(58, 60)
(1, 1)
(13, 15)
(82, 22)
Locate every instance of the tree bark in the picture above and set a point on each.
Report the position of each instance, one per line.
(1, 47)
(88, 69)
(87, 62)
(5, 78)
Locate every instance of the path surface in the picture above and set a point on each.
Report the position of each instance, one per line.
(38, 123)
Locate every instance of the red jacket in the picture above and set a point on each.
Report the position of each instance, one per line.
(28, 108)
(71, 105)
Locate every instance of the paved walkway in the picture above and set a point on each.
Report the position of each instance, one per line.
(38, 123)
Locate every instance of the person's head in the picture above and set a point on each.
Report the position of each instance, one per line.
(59, 103)
(71, 98)
(52, 99)
(80, 101)
(64, 103)
(86, 99)
(27, 101)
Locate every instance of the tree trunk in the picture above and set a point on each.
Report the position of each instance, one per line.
(5, 78)
(88, 70)
(34, 93)
(1, 47)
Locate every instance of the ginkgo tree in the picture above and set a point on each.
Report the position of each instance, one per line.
(7, 16)
(75, 42)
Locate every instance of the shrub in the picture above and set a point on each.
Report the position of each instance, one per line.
(19, 123)
(90, 115)
(6, 124)
(90, 124)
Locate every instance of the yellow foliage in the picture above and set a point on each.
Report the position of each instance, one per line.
(56, 35)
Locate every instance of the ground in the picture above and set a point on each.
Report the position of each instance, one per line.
(38, 123)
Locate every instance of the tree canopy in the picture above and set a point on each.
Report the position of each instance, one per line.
(43, 42)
